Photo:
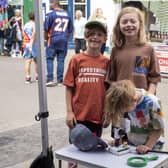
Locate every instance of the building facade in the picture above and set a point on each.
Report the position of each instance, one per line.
(110, 10)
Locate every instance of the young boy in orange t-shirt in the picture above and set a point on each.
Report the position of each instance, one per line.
(84, 81)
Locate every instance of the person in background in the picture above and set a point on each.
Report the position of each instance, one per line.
(29, 47)
(144, 112)
(16, 24)
(84, 81)
(98, 15)
(79, 26)
(58, 26)
(2, 42)
(8, 40)
(132, 57)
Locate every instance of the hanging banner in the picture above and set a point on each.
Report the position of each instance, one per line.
(28, 7)
(162, 54)
(15, 2)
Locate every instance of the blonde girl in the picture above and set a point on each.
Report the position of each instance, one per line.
(132, 57)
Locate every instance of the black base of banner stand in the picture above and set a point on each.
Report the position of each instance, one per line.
(44, 161)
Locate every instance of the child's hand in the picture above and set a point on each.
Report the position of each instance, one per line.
(30, 50)
(71, 120)
(106, 123)
(111, 141)
(142, 149)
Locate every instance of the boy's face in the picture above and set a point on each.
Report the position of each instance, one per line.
(95, 39)
(132, 105)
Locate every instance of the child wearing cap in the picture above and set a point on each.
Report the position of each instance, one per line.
(144, 112)
(84, 81)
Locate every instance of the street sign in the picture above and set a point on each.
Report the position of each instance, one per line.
(162, 55)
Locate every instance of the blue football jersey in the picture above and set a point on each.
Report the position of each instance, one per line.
(59, 26)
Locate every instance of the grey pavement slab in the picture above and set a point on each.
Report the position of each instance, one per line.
(22, 144)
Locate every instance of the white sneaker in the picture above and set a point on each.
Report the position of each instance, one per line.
(50, 84)
(13, 55)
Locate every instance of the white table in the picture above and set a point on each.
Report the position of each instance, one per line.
(104, 159)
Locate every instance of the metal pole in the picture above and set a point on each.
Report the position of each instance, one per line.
(41, 74)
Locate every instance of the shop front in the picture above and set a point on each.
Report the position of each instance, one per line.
(110, 10)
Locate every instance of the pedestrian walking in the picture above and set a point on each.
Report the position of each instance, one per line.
(58, 26)
(8, 43)
(29, 47)
(16, 24)
(2, 42)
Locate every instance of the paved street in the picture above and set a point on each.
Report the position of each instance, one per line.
(20, 134)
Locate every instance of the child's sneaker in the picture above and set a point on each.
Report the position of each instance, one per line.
(28, 80)
(36, 78)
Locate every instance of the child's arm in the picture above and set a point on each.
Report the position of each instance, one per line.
(32, 38)
(70, 118)
(152, 88)
(151, 142)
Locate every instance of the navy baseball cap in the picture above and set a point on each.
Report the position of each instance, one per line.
(96, 24)
(84, 140)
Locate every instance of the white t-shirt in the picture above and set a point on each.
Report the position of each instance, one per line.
(79, 26)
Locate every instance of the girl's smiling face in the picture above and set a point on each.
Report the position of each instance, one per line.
(129, 25)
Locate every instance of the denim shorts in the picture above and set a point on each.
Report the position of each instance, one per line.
(27, 53)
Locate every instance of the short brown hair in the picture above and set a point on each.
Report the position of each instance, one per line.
(31, 15)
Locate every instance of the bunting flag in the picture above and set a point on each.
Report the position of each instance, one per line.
(3, 3)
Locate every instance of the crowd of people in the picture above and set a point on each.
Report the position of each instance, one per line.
(11, 32)
(99, 90)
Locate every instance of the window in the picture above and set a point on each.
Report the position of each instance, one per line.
(80, 5)
(64, 4)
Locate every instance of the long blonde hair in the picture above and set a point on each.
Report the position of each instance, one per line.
(120, 95)
(118, 38)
